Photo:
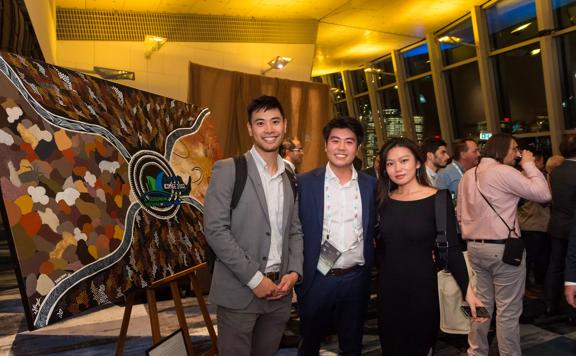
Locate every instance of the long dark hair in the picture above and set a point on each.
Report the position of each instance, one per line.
(498, 146)
(385, 184)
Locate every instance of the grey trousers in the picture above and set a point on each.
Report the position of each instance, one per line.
(254, 331)
(503, 284)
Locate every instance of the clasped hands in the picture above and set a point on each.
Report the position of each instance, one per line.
(272, 291)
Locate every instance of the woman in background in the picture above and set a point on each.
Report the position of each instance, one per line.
(408, 309)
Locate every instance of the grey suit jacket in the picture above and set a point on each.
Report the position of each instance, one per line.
(241, 240)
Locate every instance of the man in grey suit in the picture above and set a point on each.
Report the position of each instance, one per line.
(258, 244)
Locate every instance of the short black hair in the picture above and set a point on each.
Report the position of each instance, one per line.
(431, 144)
(344, 122)
(568, 146)
(264, 102)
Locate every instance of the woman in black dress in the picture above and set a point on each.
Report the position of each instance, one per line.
(408, 309)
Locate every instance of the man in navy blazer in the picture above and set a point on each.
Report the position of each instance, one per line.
(337, 214)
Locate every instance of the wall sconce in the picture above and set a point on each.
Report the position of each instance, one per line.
(153, 44)
(277, 63)
(455, 40)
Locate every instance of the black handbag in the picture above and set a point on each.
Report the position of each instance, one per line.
(514, 246)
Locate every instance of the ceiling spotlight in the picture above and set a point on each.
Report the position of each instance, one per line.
(277, 63)
(153, 44)
(521, 28)
(535, 51)
(454, 40)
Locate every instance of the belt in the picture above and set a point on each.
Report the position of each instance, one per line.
(273, 276)
(499, 242)
(343, 271)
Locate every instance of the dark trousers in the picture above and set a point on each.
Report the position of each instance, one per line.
(334, 303)
(537, 256)
(554, 286)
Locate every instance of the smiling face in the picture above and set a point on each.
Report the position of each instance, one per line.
(267, 128)
(341, 148)
(401, 165)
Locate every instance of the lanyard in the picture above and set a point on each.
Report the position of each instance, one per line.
(458, 169)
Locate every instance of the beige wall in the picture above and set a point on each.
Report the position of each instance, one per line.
(166, 71)
(43, 16)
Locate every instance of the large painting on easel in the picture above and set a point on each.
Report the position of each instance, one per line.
(102, 186)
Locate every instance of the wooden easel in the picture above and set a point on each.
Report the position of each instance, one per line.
(172, 281)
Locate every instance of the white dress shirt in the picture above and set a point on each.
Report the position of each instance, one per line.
(274, 193)
(343, 219)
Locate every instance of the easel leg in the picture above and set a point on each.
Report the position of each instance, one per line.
(181, 317)
(205, 313)
(153, 310)
(125, 321)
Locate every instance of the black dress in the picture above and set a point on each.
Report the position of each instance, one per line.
(408, 310)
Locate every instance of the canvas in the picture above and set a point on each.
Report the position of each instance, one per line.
(102, 186)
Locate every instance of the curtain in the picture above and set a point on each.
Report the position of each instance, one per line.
(226, 93)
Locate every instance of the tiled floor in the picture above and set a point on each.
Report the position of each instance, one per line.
(96, 332)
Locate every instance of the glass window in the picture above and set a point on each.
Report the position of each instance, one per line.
(541, 145)
(425, 118)
(384, 72)
(511, 21)
(389, 112)
(341, 109)
(466, 101)
(522, 99)
(457, 43)
(370, 144)
(359, 81)
(565, 12)
(417, 60)
(317, 79)
(568, 79)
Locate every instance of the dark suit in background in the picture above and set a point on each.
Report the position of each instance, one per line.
(332, 302)
(563, 187)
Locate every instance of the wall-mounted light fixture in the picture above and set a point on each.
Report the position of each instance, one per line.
(455, 40)
(153, 44)
(114, 74)
(277, 63)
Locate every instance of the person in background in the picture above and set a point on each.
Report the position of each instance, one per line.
(466, 156)
(533, 220)
(563, 186)
(408, 305)
(258, 244)
(292, 153)
(337, 215)
(373, 171)
(488, 197)
(436, 155)
(553, 162)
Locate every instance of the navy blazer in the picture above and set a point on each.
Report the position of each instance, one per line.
(570, 272)
(311, 211)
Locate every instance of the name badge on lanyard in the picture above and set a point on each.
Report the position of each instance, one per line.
(328, 256)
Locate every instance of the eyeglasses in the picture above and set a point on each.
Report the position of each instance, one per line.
(516, 149)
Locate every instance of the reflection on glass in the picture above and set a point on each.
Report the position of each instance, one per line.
(370, 145)
(359, 81)
(425, 118)
(521, 91)
(538, 145)
(389, 112)
(341, 109)
(466, 101)
(511, 21)
(384, 72)
(417, 60)
(337, 86)
(457, 43)
(565, 12)
(568, 79)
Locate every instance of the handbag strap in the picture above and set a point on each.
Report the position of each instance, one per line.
(442, 245)
(510, 230)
